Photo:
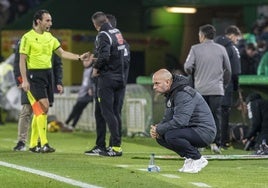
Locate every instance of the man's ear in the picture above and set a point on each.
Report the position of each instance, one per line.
(169, 81)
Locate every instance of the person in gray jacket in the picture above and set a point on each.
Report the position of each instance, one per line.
(187, 124)
(208, 63)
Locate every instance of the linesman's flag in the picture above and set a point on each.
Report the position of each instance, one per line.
(37, 109)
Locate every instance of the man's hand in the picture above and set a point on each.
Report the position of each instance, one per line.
(87, 62)
(25, 85)
(153, 132)
(60, 89)
(85, 56)
(95, 73)
(90, 92)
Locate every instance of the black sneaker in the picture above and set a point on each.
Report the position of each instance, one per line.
(35, 149)
(39, 144)
(20, 147)
(95, 151)
(109, 148)
(112, 152)
(47, 149)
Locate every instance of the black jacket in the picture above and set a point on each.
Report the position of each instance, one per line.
(234, 57)
(111, 49)
(258, 115)
(249, 65)
(233, 53)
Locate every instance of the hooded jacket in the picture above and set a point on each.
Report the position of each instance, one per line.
(186, 108)
(234, 57)
(233, 53)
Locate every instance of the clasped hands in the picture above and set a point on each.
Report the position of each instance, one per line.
(153, 132)
(88, 61)
(84, 56)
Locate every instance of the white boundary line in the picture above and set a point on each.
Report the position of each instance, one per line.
(49, 175)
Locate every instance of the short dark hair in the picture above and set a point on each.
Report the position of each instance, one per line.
(232, 29)
(112, 19)
(251, 46)
(38, 15)
(99, 18)
(208, 31)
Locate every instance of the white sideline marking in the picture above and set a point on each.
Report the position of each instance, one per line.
(200, 184)
(122, 166)
(143, 169)
(49, 175)
(171, 176)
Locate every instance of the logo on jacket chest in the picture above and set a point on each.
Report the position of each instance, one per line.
(169, 103)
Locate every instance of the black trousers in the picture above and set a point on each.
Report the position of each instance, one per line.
(100, 125)
(225, 129)
(110, 97)
(77, 109)
(214, 102)
(185, 142)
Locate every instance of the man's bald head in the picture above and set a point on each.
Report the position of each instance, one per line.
(162, 80)
(163, 74)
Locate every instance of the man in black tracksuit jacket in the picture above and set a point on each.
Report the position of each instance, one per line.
(100, 121)
(229, 40)
(111, 69)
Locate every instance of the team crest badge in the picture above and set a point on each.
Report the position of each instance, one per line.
(169, 103)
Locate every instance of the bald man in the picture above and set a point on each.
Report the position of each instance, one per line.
(188, 123)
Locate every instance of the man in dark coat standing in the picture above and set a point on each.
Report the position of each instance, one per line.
(229, 40)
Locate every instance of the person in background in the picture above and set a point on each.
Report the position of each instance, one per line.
(262, 68)
(26, 111)
(250, 59)
(85, 96)
(4, 12)
(229, 41)
(187, 124)
(36, 49)
(258, 115)
(208, 63)
(7, 83)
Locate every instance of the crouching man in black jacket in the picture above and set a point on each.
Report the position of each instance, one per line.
(188, 122)
(258, 115)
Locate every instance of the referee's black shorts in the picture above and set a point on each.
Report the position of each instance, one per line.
(41, 83)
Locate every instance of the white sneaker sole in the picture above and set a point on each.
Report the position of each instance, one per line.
(92, 154)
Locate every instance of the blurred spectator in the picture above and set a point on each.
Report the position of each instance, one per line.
(4, 12)
(250, 58)
(229, 41)
(264, 33)
(17, 9)
(85, 96)
(262, 47)
(258, 115)
(262, 68)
